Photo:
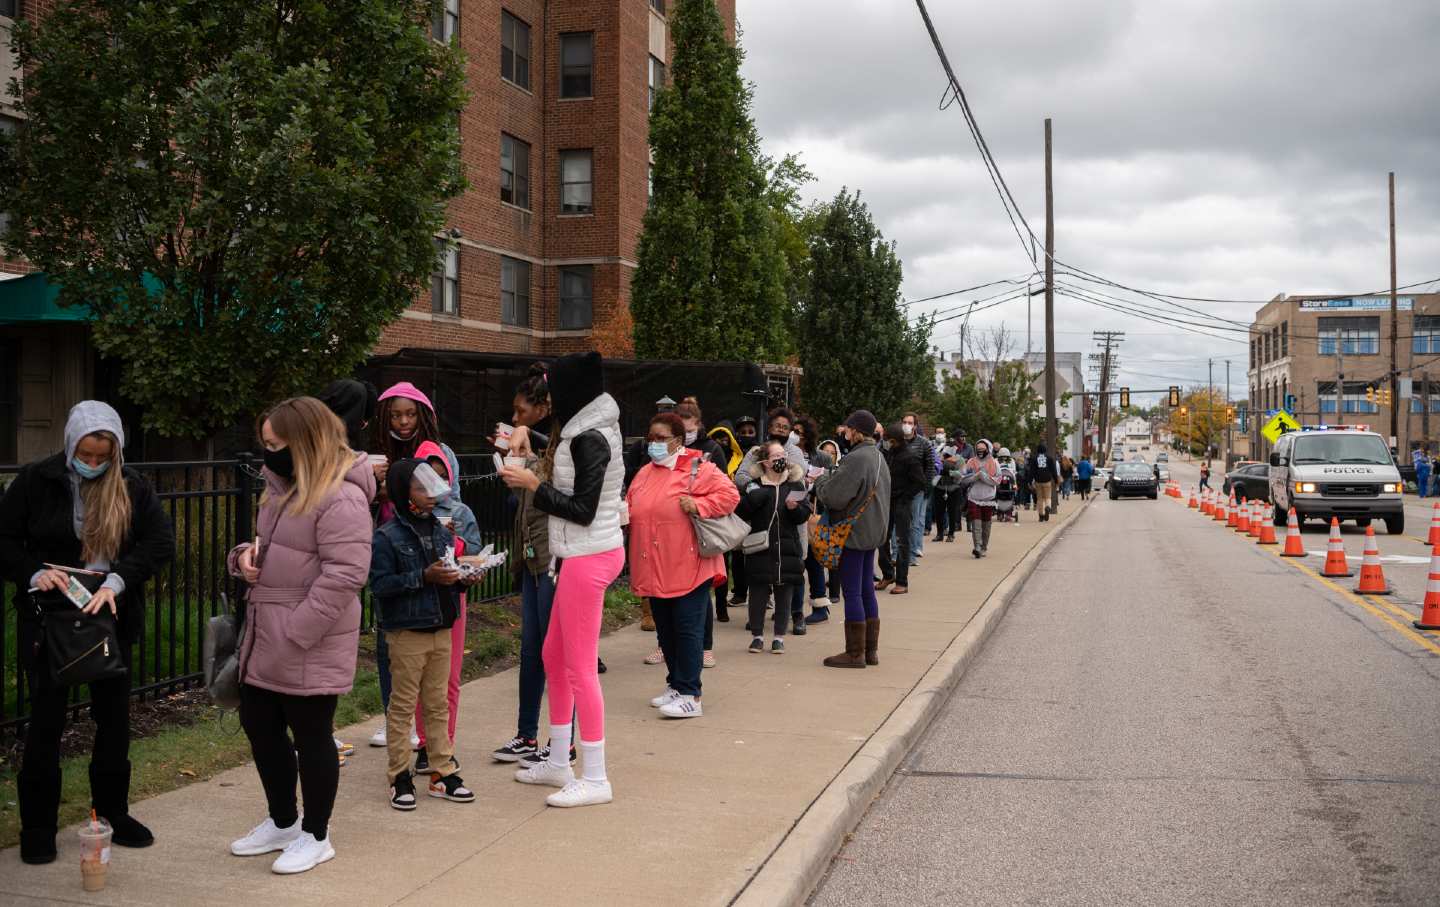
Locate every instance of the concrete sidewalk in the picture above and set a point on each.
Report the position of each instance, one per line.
(699, 804)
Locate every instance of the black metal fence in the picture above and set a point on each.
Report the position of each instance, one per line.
(212, 505)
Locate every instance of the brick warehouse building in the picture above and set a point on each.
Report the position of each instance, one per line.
(1300, 345)
(538, 252)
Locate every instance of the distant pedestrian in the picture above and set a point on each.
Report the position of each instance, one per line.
(1420, 456)
(949, 496)
(1067, 476)
(776, 505)
(907, 479)
(981, 478)
(1044, 471)
(914, 437)
(1084, 475)
(1205, 474)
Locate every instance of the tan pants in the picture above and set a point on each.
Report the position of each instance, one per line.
(1043, 490)
(419, 670)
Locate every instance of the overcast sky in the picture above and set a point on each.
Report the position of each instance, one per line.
(1217, 148)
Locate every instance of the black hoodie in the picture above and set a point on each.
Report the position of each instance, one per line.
(354, 402)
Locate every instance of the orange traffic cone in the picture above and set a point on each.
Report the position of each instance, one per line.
(1372, 575)
(1434, 538)
(1242, 519)
(1219, 509)
(1430, 613)
(1232, 514)
(1194, 502)
(1335, 563)
(1256, 510)
(1267, 529)
(1294, 545)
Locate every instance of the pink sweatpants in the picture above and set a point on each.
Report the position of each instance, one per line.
(572, 643)
(452, 695)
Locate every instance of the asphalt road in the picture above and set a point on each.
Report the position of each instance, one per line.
(1169, 714)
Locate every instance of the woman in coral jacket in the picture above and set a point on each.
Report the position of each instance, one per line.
(665, 561)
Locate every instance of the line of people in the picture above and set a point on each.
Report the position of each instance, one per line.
(334, 519)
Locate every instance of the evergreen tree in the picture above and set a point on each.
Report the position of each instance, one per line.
(856, 346)
(711, 278)
(244, 194)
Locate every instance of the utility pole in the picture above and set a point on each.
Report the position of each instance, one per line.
(1107, 366)
(1229, 437)
(1051, 443)
(1394, 330)
(1210, 401)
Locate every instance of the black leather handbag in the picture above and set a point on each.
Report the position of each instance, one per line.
(79, 647)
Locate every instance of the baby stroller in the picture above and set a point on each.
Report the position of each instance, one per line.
(1005, 490)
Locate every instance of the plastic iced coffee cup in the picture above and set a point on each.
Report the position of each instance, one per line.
(94, 853)
(515, 461)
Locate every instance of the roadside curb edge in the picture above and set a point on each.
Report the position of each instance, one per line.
(801, 859)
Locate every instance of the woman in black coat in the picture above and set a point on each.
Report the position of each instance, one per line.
(83, 509)
(907, 479)
(779, 567)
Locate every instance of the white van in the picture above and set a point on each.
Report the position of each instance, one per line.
(1336, 472)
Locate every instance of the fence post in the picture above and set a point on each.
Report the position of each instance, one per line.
(244, 515)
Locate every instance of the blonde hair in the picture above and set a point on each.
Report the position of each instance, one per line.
(319, 446)
(107, 507)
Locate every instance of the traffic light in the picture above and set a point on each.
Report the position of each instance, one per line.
(1174, 395)
(1184, 410)
(1369, 393)
(1124, 397)
(1229, 414)
(1386, 396)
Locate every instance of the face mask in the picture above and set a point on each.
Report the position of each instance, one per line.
(399, 437)
(690, 436)
(908, 430)
(281, 462)
(982, 453)
(939, 439)
(778, 466)
(86, 471)
(783, 436)
(658, 450)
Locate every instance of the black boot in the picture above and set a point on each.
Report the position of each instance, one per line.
(797, 624)
(110, 795)
(37, 845)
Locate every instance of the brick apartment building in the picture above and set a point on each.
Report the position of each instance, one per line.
(1301, 345)
(538, 253)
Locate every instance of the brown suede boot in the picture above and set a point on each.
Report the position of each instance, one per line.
(854, 654)
(872, 641)
(647, 622)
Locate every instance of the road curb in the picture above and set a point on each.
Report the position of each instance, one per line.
(800, 860)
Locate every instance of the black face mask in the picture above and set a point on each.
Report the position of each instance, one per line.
(778, 466)
(782, 436)
(281, 462)
(746, 441)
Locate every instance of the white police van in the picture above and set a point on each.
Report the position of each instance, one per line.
(1340, 471)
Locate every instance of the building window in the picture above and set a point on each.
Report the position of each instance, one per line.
(1427, 334)
(1355, 401)
(446, 22)
(658, 6)
(514, 292)
(577, 58)
(657, 79)
(1417, 402)
(1266, 346)
(514, 50)
(576, 286)
(1284, 339)
(649, 184)
(1353, 336)
(514, 171)
(9, 126)
(575, 183)
(445, 282)
(11, 8)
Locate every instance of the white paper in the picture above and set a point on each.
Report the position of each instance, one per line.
(796, 496)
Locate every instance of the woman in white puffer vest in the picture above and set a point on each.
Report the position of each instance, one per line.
(583, 502)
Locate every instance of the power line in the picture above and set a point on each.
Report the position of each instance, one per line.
(958, 292)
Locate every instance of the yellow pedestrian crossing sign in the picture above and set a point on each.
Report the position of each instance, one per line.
(1279, 425)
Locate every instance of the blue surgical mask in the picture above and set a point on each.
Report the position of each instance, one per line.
(658, 450)
(86, 471)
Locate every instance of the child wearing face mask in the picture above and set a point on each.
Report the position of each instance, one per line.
(775, 504)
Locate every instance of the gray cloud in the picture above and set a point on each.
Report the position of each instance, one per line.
(1203, 147)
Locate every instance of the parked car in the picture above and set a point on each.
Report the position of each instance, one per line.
(1249, 479)
(1162, 457)
(1133, 480)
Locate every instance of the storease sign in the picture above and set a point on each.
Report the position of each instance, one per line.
(1359, 303)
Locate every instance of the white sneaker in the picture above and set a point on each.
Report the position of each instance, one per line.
(545, 773)
(664, 698)
(681, 707)
(264, 838)
(581, 793)
(302, 854)
(378, 738)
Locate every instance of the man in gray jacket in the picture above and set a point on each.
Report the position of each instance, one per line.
(915, 437)
(858, 488)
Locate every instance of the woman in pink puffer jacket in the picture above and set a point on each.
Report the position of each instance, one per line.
(302, 627)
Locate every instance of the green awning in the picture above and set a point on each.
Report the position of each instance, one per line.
(31, 300)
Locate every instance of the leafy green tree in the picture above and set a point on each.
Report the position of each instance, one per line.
(711, 278)
(1007, 409)
(243, 193)
(794, 223)
(856, 346)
